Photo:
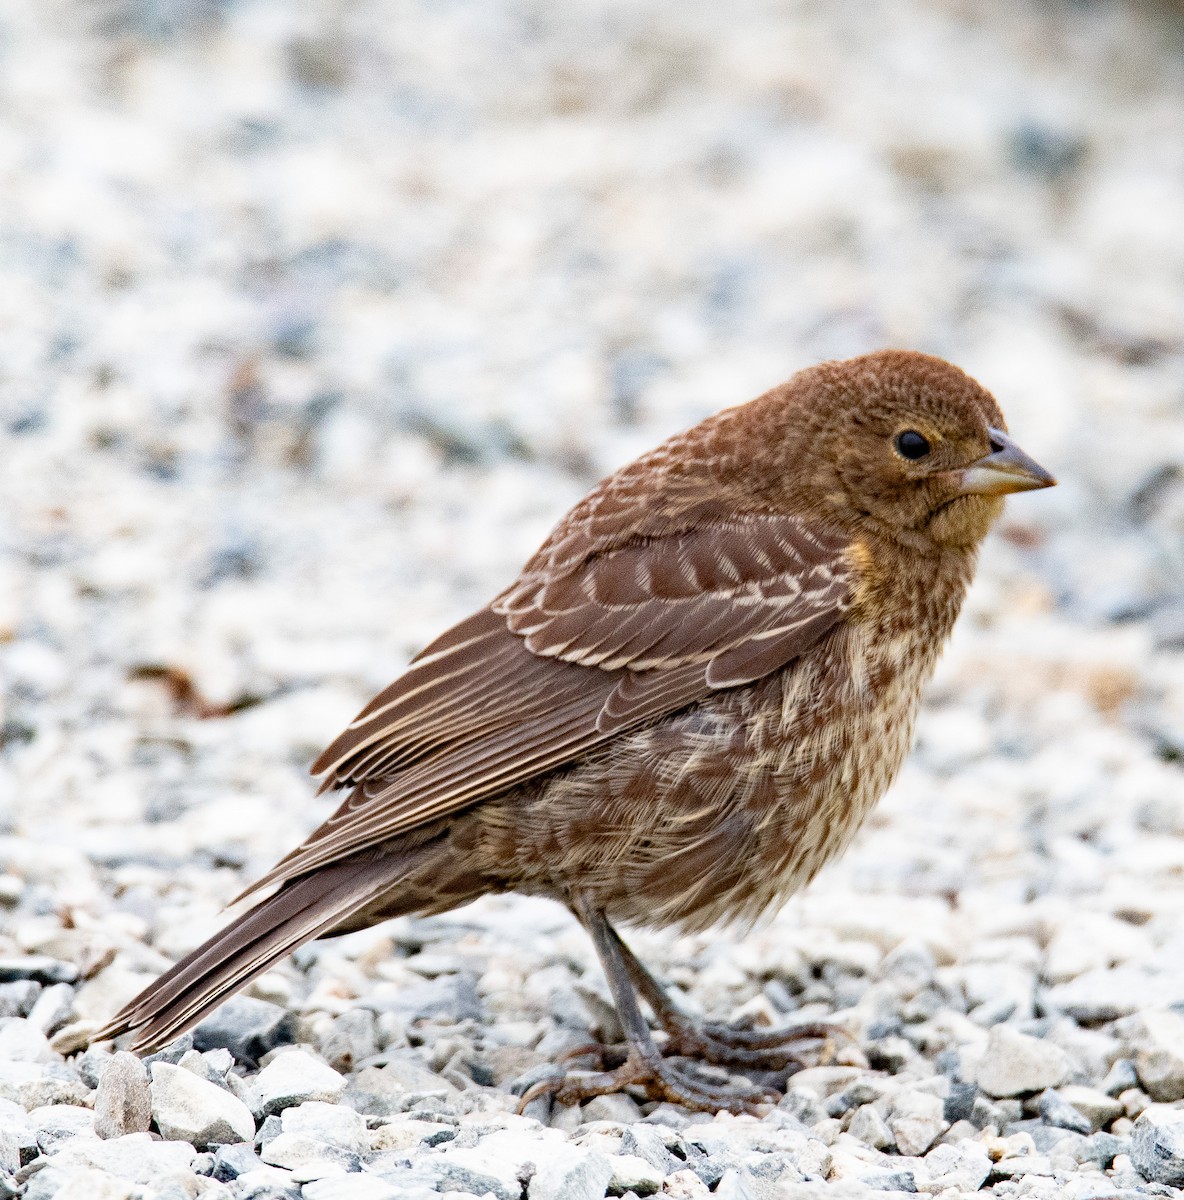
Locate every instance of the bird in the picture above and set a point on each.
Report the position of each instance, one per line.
(685, 704)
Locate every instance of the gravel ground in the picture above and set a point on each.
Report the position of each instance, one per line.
(317, 314)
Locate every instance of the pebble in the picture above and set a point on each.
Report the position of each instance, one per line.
(246, 1026)
(1057, 1110)
(631, 1173)
(134, 1157)
(22, 1041)
(1094, 1105)
(1015, 1064)
(189, 1108)
(123, 1102)
(293, 1077)
(917, 1120)
(1157, 1039)
(870, 1128)
(52, 1008)
(1157, 1145)
(575, 1174)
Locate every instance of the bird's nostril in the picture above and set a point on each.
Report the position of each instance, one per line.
(996, 446)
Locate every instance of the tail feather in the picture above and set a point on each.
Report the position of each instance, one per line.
(305, 908)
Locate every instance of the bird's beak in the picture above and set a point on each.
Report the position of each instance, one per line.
(1006, 469)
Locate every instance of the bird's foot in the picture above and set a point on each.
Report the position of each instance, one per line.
(659, 1079)
(789, 1049)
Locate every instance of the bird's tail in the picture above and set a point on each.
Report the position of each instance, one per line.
(307, 907)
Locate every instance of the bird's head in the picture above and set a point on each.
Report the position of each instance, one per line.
(911, 446)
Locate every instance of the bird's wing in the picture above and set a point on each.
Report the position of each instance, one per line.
(578, 649)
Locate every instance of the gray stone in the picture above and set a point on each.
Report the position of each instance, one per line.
(1158, 1041)
(1056, 1110)
(219, 1062)
(123, 1103)
(352, 1038)
(293, 1077)
(91, 1063)
(172, 1053)
(452, 998)
(1063, 1143)
(38, 967)
(1121, 1077)
(1157, 1145)
(52, 1009)
(1106, 1147)
(653, 1143)
(189, 1108)
(232, 1161)
(1016, 1065)
(1095, 1106)
(247, 1027)
(575, 1174)
(17, 999)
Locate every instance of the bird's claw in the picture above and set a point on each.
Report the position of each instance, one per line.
(787, 1049)
(659, 1079)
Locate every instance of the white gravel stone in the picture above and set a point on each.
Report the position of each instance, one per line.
(191, 1109)
(916, 1121)
(633, 1174)
(307, 1156)
(575, 1174)
(135, 1158)
(57, 1125)
(22, 1041)
(351, 1187)
(962, 1167)
(870, 1128)
(1014, 1064)
(293, 1077)
(478, 1171)
(331, 1123)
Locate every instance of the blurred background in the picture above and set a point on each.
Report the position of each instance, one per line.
(316, 315)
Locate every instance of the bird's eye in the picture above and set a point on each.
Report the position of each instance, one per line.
(912, 445)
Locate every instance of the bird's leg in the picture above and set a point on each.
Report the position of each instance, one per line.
(725, 1045)
(644, 1065)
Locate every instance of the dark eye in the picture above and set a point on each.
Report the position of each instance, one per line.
(912, 445)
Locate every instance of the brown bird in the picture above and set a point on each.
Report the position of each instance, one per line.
(684, 706)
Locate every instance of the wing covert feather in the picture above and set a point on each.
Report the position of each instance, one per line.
(577, 650)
